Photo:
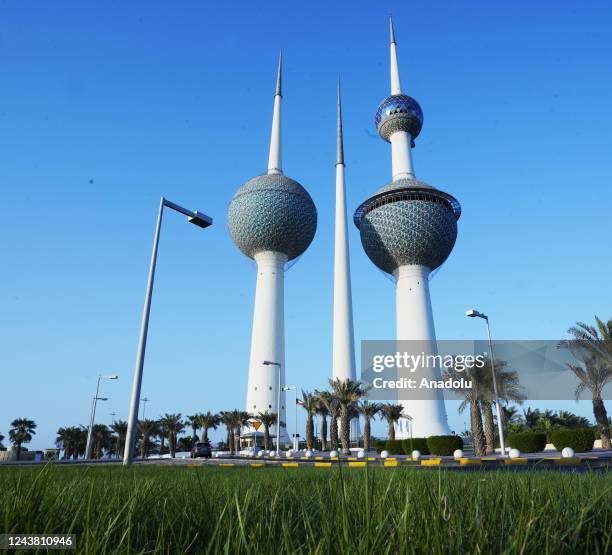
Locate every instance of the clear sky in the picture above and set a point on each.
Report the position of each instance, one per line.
(105, 108)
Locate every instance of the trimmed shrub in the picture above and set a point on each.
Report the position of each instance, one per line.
(444, 445)
(394, 446)
(380, 445)
(418, 443)
(579, 439)
(527, 442)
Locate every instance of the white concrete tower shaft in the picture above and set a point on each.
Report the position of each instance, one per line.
(343, 362)
(268, 335)
(414, 315)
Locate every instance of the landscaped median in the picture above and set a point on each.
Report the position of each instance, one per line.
(304, 509)
(464, 462)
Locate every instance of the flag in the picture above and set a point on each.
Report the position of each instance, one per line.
(299, 402)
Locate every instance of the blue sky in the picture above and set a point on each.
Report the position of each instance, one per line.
(105, 108)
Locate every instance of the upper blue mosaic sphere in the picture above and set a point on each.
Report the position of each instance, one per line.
(272, 213)
(408, 222)
(398, 112)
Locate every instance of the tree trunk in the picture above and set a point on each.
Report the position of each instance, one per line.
(143, 447)
(391, 429)
(193, 435)
(162, 444)
(366, 434)
(172, 444)
(323, 432)
(333, 433)
(230, 440)
(18, 445)
(478, 439)
(309, 432)
(205, 435)
(238, 446)
(601, 417)
(345, 430)
(267, 438)
(487, 410)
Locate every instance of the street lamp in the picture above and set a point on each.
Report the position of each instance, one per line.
(196, 218)
(92, 415)
(144, 402)
(278, 404)
(475, 314)
(294, 388)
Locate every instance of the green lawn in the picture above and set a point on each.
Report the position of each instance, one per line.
(177, 509)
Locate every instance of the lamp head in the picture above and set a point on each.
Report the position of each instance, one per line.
(199, 219)
(475, 314)
(112, 377)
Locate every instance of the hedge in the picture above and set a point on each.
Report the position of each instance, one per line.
(394, 446)
(579, 439)
(418, 443)
(380, 445)
(527, 442)
(444, 445)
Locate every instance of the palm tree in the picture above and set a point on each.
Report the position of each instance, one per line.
(391, 413)
(120, 428)
(347, 392)
(22, 430)
(173, 426)
(532, 418)
(310, 403)
(241, 419)
(594, 376)
(369, 411)
(592, 345)
(147, 429)
(1, 438)
(208, 421)
(508, 389)
(333, 409)
(194, 422)
(67, 440)
(268, 419)
(162, 431)
(101, 439)
(323, 412)
(227, 419)
(472, 397)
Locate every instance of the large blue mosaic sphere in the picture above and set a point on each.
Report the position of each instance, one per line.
(408, 222)
(398, 112)
(272, 213)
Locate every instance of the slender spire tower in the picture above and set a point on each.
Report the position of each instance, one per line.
(408, 229)
(343, 366)
(272, 219)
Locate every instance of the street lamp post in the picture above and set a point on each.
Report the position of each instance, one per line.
(196, 218)
(294, 388)
(144, 402)
(278, 404)
(92, 415)
(475, 314)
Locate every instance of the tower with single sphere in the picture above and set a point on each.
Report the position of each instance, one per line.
(408, 229)
(272, 220)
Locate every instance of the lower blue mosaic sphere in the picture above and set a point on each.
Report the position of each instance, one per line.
(408, 223)
(272, 213)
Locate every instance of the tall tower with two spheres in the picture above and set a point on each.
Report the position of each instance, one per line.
(272, 220)
(408, 229)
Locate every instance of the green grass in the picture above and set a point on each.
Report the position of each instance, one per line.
(175, 509)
